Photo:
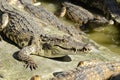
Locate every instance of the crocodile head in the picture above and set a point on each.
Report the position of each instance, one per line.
(98, 21)
(69, 46)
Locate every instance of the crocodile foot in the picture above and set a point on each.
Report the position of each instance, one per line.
(30, 64)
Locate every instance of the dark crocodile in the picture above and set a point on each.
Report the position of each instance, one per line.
(35, 36)
(110, 8)
(80, 15)
(98, 71)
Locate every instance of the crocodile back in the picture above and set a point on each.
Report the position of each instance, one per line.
(101, 71)
(77, 13)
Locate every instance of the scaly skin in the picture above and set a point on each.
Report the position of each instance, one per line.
(81, 15)
(34, 36)
(48, 17)
(109, 7)
(98, 71)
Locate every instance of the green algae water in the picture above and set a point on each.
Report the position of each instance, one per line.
(108, 35)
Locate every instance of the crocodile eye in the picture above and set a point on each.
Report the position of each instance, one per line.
(22, 44)
(46, 46)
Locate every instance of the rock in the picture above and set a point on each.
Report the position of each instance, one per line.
(12, 69)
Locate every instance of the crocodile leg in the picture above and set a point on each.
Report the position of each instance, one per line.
(3, 23)
(62, 12)
(24, 53)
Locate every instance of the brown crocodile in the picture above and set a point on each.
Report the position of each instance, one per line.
(110, 8)
(35, 36)
(80, 15)
(98, 71)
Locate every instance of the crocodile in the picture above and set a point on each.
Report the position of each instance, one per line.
(110, 8)
(35, 36)
(80, 15)
(98, 71)
(47, 16)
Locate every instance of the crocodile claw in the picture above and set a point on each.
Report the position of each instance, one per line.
(31, 65)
